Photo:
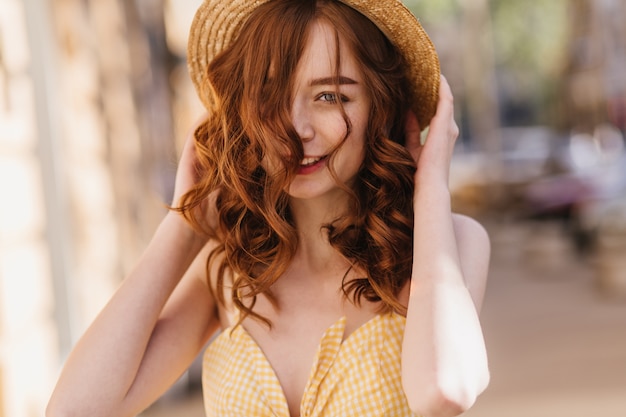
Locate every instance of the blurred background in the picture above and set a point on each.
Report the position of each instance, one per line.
(95, 103)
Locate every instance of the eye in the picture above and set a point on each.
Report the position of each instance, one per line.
(328, 97)
(332, 98)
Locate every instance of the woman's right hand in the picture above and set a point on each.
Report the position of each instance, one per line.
(188, 171)
(188, 174)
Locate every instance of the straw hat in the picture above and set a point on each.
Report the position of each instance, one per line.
(218, 22)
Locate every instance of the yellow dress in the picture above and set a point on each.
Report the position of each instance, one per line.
(359, 376)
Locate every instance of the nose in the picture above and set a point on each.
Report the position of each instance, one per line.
(301, 120)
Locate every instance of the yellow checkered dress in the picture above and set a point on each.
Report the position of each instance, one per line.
(357, 377)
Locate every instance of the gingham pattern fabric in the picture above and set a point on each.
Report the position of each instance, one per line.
(359, 376)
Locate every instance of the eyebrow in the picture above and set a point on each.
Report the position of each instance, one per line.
(341, 80)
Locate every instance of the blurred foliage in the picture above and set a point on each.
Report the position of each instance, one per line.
(529, 44)
(530, 35)
(433, 11)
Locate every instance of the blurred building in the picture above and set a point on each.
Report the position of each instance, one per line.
(94, 100)
(595, 74)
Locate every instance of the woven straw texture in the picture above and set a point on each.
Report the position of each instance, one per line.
(218, 22)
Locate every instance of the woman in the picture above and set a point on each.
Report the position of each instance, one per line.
(310, 224)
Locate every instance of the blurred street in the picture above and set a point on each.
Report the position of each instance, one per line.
(557, 345)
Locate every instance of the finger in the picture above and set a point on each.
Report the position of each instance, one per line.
(445, 105)
(443, 123)
(413, 135)
(189, 150)
(412, 127)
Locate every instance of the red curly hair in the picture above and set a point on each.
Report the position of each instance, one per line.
(251, 84)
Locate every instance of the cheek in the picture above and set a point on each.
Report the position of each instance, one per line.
(334, 127)
(354, 149)
(358, 134)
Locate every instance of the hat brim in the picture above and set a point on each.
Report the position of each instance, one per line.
(217, 23)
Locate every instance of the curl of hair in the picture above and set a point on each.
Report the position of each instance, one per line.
(250, 123)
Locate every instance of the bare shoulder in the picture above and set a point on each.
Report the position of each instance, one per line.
(474, 253)
(205, 273)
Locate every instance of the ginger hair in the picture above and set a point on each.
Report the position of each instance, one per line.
(250, 85)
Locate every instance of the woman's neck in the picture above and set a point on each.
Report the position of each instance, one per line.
(315, 252)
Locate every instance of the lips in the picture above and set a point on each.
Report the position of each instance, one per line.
(311, 164)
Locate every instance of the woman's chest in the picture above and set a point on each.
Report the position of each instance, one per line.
(301, 335)
(347, 374)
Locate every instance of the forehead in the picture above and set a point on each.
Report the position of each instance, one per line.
(319, 58)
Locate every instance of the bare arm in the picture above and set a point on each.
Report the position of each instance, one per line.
(148, 333)
(444, 361)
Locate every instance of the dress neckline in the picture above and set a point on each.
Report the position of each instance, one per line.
(330, 345)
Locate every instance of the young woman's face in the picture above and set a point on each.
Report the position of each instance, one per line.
(317, 116)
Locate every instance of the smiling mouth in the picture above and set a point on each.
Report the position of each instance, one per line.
(310, 161)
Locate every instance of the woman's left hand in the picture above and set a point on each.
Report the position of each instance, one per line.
(434, 156)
